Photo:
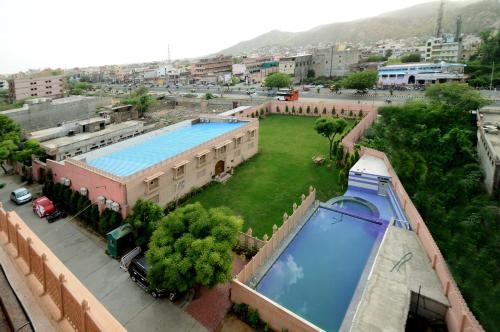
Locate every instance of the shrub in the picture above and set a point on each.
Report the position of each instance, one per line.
(350, 113)
(333, 110)
(286, 109)
(315, 110)
(94, 217)
(241, 310)
(73, 206)
(324, 110)
(277, 109)
(300, 109)
(253, 318)
(293, 109)
(308, 109)
(261, 111)
(360, 114)
(342, 111)
(108, 221)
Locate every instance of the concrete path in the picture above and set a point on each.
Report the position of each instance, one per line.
(83, 253)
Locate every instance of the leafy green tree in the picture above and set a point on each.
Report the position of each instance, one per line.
(140, 99)
(108, 221)
(455, 98)
(490, 47)
(330, 128)
(94, 216)
(193, 247)
(432, 146)
(375, 58)
(26, 149)
(143, 221)
(10, 136)
(278, 80)
(209, 96)
(412, 57)
(360, 81)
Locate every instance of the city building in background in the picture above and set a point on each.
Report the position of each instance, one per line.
(49, 86)
(420, 74)
(210, 69)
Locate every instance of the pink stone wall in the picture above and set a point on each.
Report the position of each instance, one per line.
(61, 295)
(97, 184)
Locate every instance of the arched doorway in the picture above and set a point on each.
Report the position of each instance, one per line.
(411, 79)
(219, 167)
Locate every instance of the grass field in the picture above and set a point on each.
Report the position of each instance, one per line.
(266, 186)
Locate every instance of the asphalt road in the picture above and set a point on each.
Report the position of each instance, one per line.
(83, 254)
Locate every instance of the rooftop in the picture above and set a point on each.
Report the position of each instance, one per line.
(490, 116)
(371, 165)
(67, 140)
(138, 153)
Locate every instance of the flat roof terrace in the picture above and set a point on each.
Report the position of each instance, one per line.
(133, 155)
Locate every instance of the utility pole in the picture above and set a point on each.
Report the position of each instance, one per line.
(491, 77)
(331, 62)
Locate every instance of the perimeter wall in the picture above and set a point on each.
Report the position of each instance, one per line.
(62, 296)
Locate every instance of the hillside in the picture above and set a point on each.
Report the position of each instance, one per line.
(416, 21)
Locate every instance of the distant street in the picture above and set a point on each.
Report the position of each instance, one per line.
(255, 93)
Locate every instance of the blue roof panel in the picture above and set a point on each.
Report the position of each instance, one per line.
(135, 158)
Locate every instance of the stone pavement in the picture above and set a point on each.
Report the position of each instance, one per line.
(212, 305)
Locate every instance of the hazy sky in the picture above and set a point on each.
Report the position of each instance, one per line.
(57, 33)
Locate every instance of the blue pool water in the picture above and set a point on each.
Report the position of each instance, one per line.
(134, 158)
(317, 274)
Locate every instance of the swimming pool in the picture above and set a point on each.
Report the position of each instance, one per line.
(134, 158)
(316, 275)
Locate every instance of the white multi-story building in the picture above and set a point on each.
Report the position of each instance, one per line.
(447, 48)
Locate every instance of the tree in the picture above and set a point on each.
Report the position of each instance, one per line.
(10, 136)
(278, 80)
(109, 220)
(140, 99)
(432, 147)
(455, 97)
(375, 58)
(192, 246)
(143, 221)
(311, 73)
(360, 81)
(490, 47)
(412, 57)
(26, 149)
(209, 96)
(330, 128)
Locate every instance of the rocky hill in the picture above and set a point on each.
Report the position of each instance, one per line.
(418, 21)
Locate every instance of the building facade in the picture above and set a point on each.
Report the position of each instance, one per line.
(43, 87)
(488, 145)
(420, 74)
(446, 48)
(211, 67)
(297, 66)
(332, 61)
(76, 138)
(145, 167)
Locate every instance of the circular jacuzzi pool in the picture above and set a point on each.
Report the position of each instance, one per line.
(355, 205)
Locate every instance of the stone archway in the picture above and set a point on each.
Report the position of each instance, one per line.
(219, 167)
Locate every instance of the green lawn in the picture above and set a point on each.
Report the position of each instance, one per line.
(266, 186)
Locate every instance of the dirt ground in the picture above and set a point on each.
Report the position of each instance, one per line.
(232, 324)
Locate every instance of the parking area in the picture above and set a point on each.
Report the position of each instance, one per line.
(83, 253)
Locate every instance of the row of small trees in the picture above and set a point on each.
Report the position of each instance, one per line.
(333, 111)
(80, 206)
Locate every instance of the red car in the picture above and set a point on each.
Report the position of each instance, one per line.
(42, 206)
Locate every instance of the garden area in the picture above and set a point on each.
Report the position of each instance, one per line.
(266, 186)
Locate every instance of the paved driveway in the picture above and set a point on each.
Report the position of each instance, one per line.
(83, 253)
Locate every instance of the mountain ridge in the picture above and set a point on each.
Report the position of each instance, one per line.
(414, 21)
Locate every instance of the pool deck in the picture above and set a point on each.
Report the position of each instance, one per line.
(386, 298)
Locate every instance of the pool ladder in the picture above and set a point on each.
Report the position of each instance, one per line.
(404, 259)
